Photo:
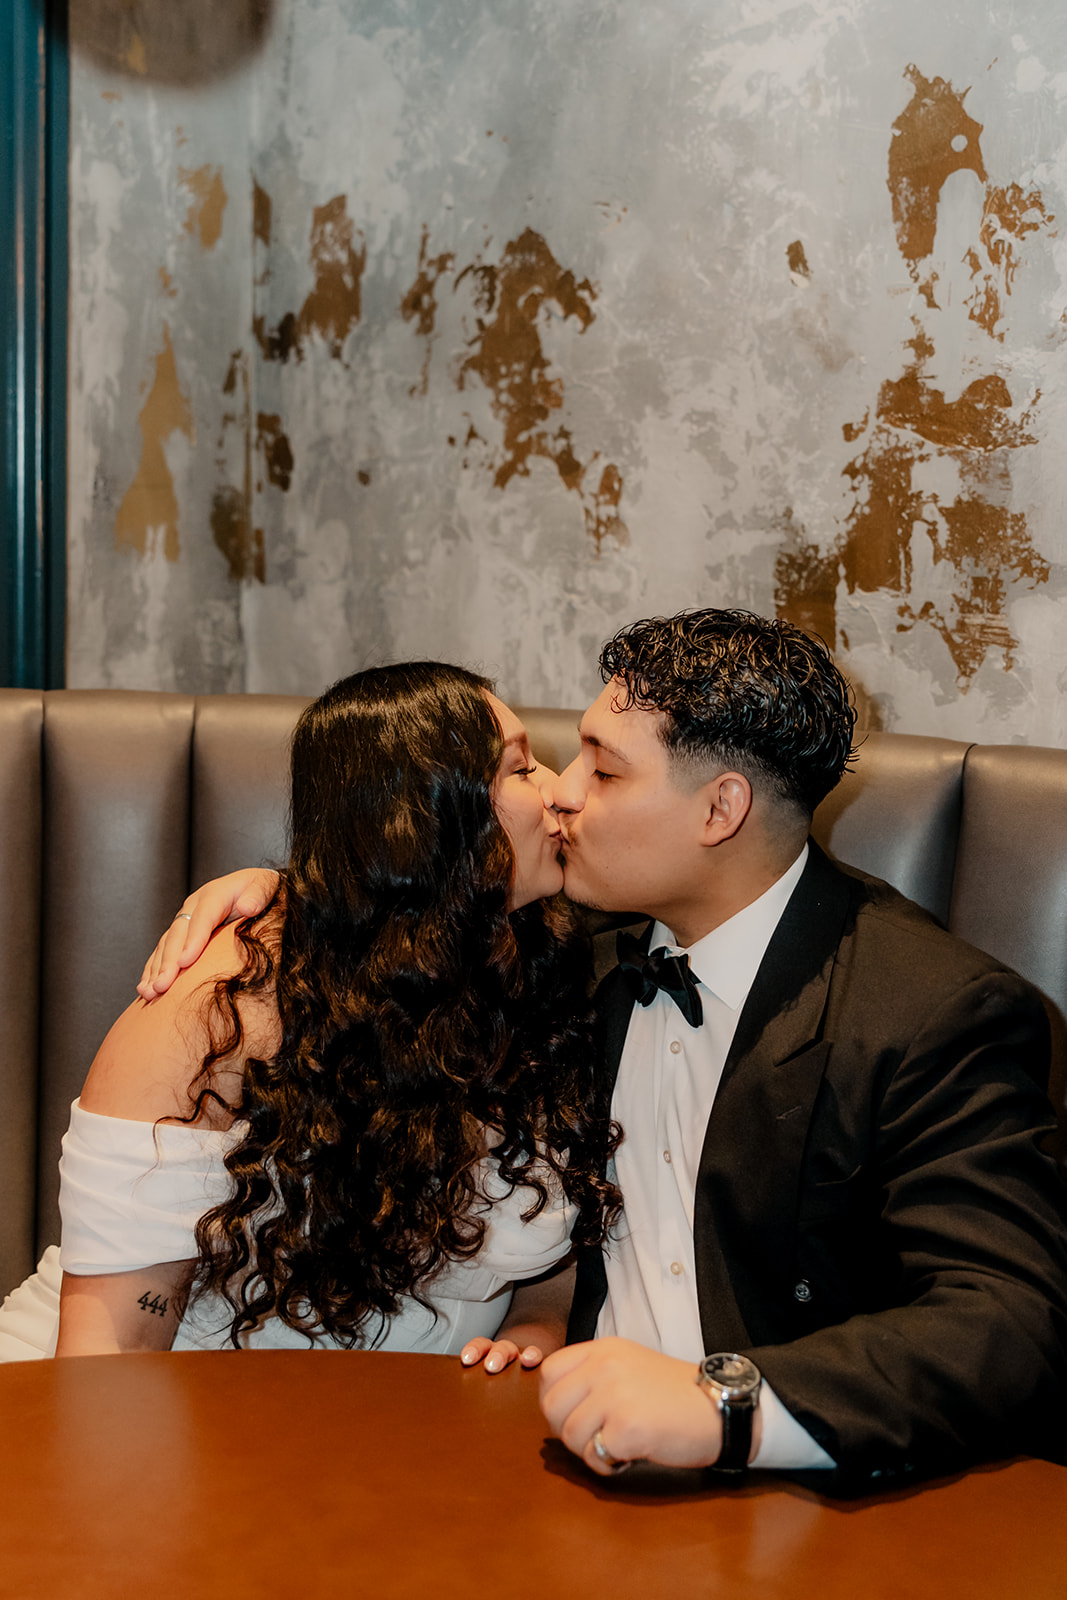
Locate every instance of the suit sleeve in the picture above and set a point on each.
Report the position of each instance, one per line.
(950, 1238)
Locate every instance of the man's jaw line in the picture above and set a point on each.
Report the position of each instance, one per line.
(561, 857)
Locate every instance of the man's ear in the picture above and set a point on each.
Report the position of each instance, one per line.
(729, 801)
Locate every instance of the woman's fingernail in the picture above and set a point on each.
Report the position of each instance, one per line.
(467, 1357)
(493, 1363)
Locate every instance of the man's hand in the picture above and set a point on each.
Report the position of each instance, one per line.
(645, 1406)
(229, 899)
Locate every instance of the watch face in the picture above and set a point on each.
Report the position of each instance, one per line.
(736, 1375)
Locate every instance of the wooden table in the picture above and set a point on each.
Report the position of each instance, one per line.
(326, 1474)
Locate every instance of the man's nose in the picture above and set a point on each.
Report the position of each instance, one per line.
(569, 787)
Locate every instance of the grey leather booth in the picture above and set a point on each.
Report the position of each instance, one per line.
(114, 803)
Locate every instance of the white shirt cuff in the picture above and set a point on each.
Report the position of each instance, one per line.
(785, 1445)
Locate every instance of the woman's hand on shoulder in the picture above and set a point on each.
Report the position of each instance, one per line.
(229, 899)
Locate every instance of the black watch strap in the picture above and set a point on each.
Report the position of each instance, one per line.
(736, 1437)
(732, 1383)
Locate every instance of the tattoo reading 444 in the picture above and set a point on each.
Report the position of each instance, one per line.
(155, 1304)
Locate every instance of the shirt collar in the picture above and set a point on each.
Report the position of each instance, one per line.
(727, 959)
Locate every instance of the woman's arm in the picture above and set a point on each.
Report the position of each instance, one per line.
(534, 1327)
(142, 1074)
(229, 899)
(117, 1312)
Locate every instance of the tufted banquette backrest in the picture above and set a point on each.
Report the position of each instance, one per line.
(113, 804)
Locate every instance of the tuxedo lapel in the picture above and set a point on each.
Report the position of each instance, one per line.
(747, 1188)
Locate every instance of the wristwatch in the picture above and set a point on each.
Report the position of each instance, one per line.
(732, 1383)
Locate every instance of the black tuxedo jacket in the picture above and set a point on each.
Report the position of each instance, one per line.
(874, 1223)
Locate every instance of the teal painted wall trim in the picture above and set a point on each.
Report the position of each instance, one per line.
(34, 137)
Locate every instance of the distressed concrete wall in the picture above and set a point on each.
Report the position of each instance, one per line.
(477, 330)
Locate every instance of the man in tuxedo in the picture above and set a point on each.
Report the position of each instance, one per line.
(841, 1247)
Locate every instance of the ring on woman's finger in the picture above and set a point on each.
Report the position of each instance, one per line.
(601, 1450)
(184, 914)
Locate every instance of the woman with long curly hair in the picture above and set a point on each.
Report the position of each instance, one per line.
(359, 1117)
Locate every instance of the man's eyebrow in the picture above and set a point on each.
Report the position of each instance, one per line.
(600, 744)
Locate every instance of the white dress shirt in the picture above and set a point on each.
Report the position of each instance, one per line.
(668, 1078)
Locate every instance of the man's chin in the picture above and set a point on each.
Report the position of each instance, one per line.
(578, 897)
(577, 893)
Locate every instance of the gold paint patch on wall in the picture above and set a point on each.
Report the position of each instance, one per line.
(237, 369)
(420, 302)
(232, 528)
(984, 542)
(334, 306)
(262, 209)
(805, 582)
(419, 305)
(1008, 216)
(932, 138)
(604, 509)
(979, 419)
(209, 198)
(233, 533)
(507, 356)
(277, 451)
(150, 502)
(974, 625)
(798, 261)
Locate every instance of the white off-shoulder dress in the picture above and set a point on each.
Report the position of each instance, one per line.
(131, 1194)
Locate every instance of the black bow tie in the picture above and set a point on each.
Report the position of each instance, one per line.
(645, 974)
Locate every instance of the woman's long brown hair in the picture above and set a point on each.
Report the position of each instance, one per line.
(416, 1015)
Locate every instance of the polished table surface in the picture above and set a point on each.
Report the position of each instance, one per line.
(302, 1474)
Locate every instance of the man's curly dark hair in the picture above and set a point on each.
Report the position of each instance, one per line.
(742, 692)
(417, 1016)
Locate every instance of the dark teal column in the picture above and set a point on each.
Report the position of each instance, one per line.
(34, 136)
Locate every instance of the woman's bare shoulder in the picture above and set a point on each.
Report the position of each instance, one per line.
(150, 1057)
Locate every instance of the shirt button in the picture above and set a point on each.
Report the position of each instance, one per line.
(802, 1292)
(675, 1047)
(677, 1269)
(667, 1157)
